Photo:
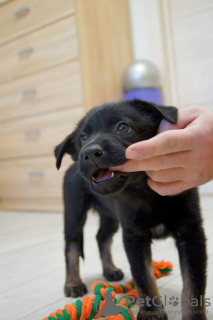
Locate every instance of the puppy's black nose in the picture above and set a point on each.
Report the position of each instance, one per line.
(93, 151)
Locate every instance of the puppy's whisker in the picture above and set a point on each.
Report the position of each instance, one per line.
(75, 173)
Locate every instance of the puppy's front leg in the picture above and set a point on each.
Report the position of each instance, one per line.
(138, 250)
(109, 225)
(74, 287)
(74, 219)
(192, 253)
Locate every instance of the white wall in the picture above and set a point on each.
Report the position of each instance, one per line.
(146, 31)
(149, 41)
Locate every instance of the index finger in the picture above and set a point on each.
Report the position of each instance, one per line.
(164, 143)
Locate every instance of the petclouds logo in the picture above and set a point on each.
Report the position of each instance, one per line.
(173, 301)
(111, 309)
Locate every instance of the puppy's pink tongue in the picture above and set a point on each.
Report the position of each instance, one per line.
(103, 175)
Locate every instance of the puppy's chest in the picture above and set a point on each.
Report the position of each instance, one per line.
(144, 216)
(159, 231)
(144, 222)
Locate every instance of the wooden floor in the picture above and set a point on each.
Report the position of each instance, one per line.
(32, 263)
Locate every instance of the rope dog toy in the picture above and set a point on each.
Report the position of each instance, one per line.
(92, 308)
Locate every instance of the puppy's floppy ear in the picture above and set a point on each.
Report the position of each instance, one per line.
(66, 146)
(168, 113)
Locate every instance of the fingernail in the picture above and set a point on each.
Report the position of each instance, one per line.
(132, 154)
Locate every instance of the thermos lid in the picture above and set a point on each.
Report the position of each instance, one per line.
(141, 74)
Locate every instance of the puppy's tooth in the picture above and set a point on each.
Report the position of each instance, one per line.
(93, 178)
(112, 174)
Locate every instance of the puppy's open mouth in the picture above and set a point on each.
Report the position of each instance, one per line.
(102, 176)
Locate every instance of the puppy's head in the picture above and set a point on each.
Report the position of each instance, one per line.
(102, 136)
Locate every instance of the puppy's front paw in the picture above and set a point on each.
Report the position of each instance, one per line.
(113, 274)
(158, 314)
(75, 291)
(195, 317)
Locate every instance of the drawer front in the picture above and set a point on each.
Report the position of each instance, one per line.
(21, 16)
(41, 49)
(37, 135)
(33, 178)
(53, 89)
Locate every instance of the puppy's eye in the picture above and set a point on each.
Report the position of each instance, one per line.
(83, 137)
(123, 127)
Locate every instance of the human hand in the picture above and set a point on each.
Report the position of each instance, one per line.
(180, 157)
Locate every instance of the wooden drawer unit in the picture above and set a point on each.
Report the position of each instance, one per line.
(47, 47)
(35, 178)
(58, 59)
(37, 135)
(33, 184)
(23, 16)
(53, 89)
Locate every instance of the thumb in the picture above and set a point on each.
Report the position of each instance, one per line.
(165, 126)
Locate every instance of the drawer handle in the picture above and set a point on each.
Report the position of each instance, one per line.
(36, 174)
(29, 92)
(31, 132)
(21, 12)
(25, 51)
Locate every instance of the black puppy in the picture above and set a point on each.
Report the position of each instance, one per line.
(99, 142)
